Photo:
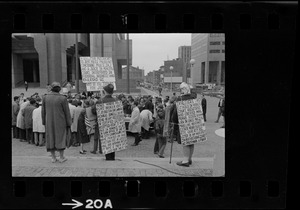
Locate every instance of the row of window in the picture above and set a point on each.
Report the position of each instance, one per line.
(216, 43)
(216, 51)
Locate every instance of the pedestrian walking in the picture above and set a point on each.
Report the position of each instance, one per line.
(37, 126)
(26, 85)
(159, 129)
(189, 149)
(57, 119)
(15, 110)
(220, 110)
(203, 104)
(27, 114)
(134, 125)
(20, 121)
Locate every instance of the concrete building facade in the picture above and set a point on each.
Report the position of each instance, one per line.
(41, 59)
(184, 52)
(135, 73)
(177, 73)
(208, 51)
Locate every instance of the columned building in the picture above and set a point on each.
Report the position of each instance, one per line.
(43, 58)
(208, 51)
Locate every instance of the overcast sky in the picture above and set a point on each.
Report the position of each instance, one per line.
(149, 51)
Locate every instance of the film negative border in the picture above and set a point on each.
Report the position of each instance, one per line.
(251, 182)
(149, 18)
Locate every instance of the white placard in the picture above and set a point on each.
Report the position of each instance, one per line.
(97, 69)
(191, 122)
(97, 86)
(112, 128)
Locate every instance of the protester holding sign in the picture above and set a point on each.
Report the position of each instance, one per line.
(108, 91)
(189, 149)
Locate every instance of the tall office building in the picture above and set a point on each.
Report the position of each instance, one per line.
(184, 52)
(43, 58)
(208, 51)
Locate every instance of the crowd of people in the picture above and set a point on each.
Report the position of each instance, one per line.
(58, 121)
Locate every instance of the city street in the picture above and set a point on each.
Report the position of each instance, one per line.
(208, 159)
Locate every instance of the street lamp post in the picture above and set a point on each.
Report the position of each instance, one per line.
(192, 62)
(171, 69)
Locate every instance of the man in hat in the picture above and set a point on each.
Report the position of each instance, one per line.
(108, 90)
(57, 120)
(189, 149)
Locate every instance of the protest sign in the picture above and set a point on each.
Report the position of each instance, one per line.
(191, 122)
(96, 86)
(97, 72)
(112, 128)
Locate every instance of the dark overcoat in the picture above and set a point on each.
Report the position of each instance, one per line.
(56, 118)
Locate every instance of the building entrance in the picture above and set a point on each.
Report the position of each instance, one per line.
(31, 70)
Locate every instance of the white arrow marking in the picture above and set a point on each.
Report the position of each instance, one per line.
(75, 205)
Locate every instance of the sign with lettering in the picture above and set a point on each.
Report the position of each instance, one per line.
(191, 122)
(97, 72)
(96, 86)
(112, 128)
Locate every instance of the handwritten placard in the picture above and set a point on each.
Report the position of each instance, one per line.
(112, 128)
(191, 122)
(96, 86)
(97, 69)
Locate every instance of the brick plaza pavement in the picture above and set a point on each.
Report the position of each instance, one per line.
(208, 158)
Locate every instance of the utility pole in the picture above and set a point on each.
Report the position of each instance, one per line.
(128, 87)
(76, 63)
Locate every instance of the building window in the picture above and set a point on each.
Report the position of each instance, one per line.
(214, 51)
(223, 43)
(223, 51)
(215, 43)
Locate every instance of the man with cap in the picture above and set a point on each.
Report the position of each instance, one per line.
(189, 149)
(108, 90)
(57, 120)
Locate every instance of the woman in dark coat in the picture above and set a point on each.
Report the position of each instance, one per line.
(57, 120)
(82, 136)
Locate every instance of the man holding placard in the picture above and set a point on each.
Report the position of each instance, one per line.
(110, 128)
(188, 122)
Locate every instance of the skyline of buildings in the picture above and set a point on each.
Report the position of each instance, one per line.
(43, 58)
